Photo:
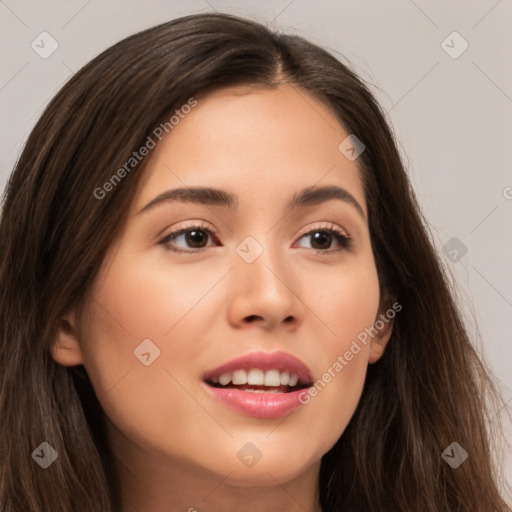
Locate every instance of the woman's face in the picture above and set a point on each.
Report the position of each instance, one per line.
(253, 276)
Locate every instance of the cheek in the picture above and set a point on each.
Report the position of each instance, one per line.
(137, 310)
(138, 299)
(148, 301)
(143, 400)
(347, 303)
(346, 300)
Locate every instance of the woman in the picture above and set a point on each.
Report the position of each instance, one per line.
(217, 291)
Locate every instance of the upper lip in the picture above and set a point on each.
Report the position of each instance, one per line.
(281, 361)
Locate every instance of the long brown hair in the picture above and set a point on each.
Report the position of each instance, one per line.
(429, 389)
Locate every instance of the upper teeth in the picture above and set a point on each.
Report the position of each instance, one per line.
(257, 377)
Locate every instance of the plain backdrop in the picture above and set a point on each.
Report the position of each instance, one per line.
(442, 71)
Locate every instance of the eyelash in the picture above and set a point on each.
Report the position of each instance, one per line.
(344, 240)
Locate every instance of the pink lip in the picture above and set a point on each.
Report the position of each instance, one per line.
(260, 405)
(265, 361)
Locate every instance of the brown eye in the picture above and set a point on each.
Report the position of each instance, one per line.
(194, 237)
(322, 240)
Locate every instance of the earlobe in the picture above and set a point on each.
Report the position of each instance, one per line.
(380, 340)
(66, 348)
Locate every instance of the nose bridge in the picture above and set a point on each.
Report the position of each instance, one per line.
(261, 275)
(256, 255)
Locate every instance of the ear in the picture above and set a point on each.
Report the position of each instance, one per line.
(384, 322)
(66, 347)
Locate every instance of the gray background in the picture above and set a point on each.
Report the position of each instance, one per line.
(452, 116)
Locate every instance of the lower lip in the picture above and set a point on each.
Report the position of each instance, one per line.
(258, 405)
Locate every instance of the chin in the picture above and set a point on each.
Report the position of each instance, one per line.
(276, 467)
(263, 476)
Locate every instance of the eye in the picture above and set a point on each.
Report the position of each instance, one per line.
(323, 237)
(195, 237)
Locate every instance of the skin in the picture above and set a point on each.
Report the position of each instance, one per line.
(175, 446)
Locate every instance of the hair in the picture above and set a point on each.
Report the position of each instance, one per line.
(429, 389)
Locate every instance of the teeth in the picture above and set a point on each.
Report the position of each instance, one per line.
(239, 377)
(257, 377)
(285, 378)
(272, 378)
(224, 379)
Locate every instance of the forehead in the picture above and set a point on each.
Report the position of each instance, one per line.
(262, 144)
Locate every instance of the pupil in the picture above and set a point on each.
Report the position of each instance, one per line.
(322, 236)
(194, 237)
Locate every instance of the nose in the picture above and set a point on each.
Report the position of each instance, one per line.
(265, 293)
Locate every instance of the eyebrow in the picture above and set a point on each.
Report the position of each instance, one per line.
(210, 196)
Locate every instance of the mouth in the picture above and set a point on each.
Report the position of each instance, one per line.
(258, 380)
(260, 384)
